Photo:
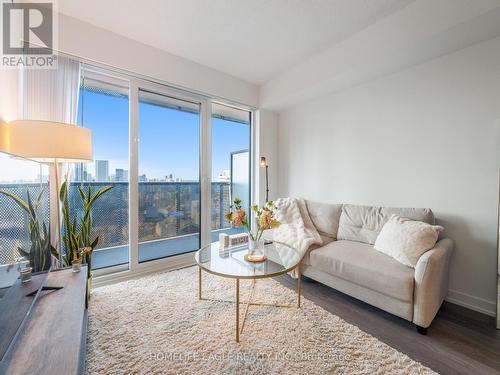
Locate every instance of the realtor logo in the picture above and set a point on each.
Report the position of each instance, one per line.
(28, 34)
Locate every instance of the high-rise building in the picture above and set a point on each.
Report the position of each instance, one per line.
(102, 170)
(225, 176)
(80, 172)
(121, 174)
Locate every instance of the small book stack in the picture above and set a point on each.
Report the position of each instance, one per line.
(226, 241)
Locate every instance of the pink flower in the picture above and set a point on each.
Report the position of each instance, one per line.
(239, 218)
(266, 219)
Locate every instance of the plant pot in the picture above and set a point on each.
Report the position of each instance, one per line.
(76, 265)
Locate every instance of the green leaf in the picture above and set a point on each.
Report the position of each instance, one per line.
(63, 191)
(94, 243)
(82, 194)
(98, 194)
(16, 199)
(39, 198)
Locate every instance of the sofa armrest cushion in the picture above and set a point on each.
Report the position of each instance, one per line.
(431, 282)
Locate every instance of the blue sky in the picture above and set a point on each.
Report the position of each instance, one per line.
(169, 139)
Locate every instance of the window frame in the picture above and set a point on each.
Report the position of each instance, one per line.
(135, 84)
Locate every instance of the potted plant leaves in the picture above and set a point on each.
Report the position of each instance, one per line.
(41, 251)
(78, 235)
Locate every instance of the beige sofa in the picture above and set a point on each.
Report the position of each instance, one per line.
(348, 262)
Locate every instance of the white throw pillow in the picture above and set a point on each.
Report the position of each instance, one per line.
(406, 240)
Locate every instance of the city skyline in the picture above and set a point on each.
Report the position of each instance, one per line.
(170, 146)
(80, 174)
(168, 138)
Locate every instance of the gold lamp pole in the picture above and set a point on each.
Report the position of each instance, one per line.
(263, 164)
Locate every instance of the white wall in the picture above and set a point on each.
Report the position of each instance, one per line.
(425, 137)
(266, 140)
(93, 43)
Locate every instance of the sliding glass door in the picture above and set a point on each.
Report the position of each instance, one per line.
(230, 164)
(169, 176)
(175, 161)
(104, 108)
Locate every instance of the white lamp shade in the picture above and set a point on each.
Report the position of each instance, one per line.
(46, 141)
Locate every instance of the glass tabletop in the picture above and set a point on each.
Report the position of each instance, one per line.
(230, 262)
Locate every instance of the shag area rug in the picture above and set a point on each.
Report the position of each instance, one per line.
(157, 325)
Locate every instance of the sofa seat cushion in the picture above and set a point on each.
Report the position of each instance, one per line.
(307, 257)
(361, 264)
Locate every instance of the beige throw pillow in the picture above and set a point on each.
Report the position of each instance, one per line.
(406, 240)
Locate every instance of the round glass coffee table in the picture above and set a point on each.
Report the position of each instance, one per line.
(230, 263)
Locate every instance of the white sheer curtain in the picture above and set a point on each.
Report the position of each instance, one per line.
(52, 95)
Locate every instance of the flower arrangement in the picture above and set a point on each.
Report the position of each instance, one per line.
(264, 217)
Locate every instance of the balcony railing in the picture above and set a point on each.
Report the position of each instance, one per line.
(166, 210)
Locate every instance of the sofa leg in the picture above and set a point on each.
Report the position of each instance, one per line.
(421, 330)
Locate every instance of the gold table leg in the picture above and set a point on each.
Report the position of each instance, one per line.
(237, 310)
(199, 282)
(299, 285)
(248, 306)
(249, 302)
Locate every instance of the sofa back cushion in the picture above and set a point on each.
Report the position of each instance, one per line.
(364, 223)
(325, 217)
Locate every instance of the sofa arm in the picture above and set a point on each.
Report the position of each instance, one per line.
(431, 282)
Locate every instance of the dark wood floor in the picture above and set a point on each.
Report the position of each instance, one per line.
(459, 341)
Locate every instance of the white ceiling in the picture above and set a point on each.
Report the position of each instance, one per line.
(253, 40)
(422, 31)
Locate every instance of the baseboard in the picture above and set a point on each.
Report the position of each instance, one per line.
(176, 262)
(478, 304)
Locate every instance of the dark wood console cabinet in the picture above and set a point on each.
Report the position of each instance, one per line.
(53, 338)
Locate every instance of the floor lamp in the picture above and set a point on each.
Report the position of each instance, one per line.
(263, 164)
(49, 143)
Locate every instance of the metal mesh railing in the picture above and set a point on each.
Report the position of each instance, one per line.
(166, 209)
(14, 220)
(171, 209)
(109, 213)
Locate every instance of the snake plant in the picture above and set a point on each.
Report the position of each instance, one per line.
(78, 234)
(40, 251)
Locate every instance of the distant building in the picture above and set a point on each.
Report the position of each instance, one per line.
(102, 170)
(142, 178)
(121, 175)
(81, 173)
(195, 212)
(225, 176)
